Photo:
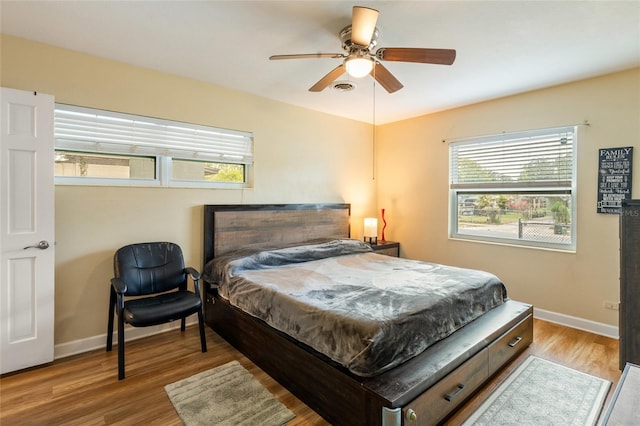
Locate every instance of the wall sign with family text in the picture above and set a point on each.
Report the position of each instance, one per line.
(614, 178)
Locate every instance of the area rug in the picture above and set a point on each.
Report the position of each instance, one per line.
(226, 395)
(541, 392)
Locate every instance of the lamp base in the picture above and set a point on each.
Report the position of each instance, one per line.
(371, 240)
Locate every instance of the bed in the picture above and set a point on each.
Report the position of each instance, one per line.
(355, 386)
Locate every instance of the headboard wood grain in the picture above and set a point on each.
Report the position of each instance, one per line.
(230, 227)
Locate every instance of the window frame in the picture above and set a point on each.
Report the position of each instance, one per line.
(548, 189)
(163, 161)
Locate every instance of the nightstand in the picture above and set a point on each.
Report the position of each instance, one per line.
(389, 248)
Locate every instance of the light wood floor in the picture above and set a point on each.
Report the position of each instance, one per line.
(84, 389)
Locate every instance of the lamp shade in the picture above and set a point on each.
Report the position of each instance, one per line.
(370, 227)
(358, 65)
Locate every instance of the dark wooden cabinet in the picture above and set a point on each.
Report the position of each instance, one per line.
(629, 324)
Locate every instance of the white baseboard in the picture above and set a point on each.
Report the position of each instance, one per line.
(98, 342)
(578, 323)
(75, 347)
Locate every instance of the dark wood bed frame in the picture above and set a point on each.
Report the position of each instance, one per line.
(422, 391)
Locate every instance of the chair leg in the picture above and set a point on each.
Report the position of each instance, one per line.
(120, 347)
(112, 307)
(183, 323)
(203, 340)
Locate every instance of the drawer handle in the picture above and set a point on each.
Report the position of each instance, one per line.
(450, 396)
(515, 342)
(411, 415)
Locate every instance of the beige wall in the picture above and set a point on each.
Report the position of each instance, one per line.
(412, 164)
(300, 156)
(305, 156)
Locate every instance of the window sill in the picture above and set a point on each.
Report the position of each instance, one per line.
(568, 250)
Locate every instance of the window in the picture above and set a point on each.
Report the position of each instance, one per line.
(107, 148)
(516, 188)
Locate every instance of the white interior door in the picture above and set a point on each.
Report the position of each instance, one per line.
(26, 229)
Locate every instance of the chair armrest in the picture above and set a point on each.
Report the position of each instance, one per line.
(195, 275)
(118, 285)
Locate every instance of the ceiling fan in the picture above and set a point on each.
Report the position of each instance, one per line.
(358, 40)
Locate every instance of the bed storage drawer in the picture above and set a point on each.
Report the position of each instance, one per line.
(438, 401)
(511, 343)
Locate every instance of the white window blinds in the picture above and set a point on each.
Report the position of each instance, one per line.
(91, 130)
(534, 159)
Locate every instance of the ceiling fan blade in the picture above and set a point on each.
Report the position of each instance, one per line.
(308, 55)
(409, 54)
(363, 23)
(328, 79)
(385, 78)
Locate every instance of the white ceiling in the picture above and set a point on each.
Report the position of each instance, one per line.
(503, 47)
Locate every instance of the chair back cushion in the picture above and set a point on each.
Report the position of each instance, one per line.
(148, 268)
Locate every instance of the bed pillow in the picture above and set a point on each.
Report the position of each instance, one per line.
(225, 265)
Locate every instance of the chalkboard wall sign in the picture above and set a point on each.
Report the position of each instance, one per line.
(614, 178)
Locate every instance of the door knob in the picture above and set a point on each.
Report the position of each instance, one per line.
(42, 245)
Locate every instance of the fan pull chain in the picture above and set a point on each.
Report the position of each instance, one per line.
(373, 150)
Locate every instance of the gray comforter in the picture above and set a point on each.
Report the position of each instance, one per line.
(366, 311)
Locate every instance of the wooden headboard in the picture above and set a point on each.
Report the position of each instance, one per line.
(231, 227)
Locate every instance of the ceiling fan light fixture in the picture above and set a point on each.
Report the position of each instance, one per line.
(358, 42)
(358, 66)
